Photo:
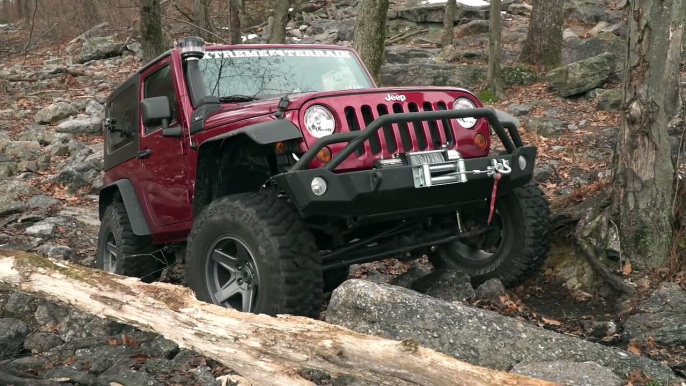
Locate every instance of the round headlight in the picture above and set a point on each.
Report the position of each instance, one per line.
(319, 121)
(464, 103)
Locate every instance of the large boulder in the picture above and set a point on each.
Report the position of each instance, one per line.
(55, 113)
(102, 47)
(477, 336)
(582, 76)
(435, 12)
(575, 49)
(445, 74)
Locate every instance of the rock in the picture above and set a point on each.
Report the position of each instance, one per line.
(585, 11)
(341, 29)
(452, 285)
(81, 325)
(570, 373)
(165, 348)
(56, 251)
(521, 9)
(543, 172)
(136, 48)
(582, 76)
(517, 76)
(610, 100)
(12, 208)
(12, 335)
(661, 317)
(11, 190)
(477, 336)
(490, 289)
(42, 230)
(40, 342)
(547, 127)
(414, 273)
(405, 55)
(42, 201)
(435, 13)
(95, 109)
(472, 28)
(102, 47)
(21, 150)
(82, 124)
(443, 74)
(598, 28)
(520, 110)
(575, 49)
(55, 113)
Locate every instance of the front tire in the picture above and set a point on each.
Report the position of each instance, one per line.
(252, 253)
(518, 251)
(121, 252)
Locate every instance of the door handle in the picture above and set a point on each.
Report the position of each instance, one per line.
(143, 153)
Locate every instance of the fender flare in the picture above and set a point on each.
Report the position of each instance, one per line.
(139, 224)
(264, 133)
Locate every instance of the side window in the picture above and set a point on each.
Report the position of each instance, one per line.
(124, 111)
(160, 83)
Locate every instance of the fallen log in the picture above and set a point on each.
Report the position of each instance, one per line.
(265, 350)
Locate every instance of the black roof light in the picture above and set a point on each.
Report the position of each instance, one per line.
(192, 48)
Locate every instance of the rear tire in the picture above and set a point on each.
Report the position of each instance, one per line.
(255, 247)
(523, 245)
(121, 252)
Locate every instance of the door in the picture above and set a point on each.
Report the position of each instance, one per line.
(163, 161)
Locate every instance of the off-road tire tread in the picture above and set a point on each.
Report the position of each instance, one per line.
(522, 263)
(335, 277)
(137, 257)
(276, 224)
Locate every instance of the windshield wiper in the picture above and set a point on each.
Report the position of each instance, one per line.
(237, 98)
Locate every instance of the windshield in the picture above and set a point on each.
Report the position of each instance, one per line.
(245, 74)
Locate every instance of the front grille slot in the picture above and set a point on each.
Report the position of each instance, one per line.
(447, 127)
(403, 129)
(389, 135)
(418, 128)
(353, 125)
(368, 117)
(436, 139)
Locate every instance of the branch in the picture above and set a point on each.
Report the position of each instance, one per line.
(404, 35)
(261, 348)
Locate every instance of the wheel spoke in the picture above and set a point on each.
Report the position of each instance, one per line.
(248, 297)
(228, 290)
(242, 254)
(112, 249)
(225, 260)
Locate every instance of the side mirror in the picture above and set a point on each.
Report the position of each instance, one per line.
(156, 112)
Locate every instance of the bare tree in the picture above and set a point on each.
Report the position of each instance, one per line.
(201, 18)
(235, 22)
(495, 84)
(644, 175)
(370, 34)
(90, 10)
(449, 23)
(19, 4)
(278, 33)
(151, 29)
(543, 45)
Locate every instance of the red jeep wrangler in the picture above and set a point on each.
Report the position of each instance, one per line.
(269, 169)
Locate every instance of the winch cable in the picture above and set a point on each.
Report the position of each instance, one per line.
(496, 178)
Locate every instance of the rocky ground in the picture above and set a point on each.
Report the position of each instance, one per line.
(51, 107)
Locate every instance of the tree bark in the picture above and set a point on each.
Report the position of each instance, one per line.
(543, 45)
(278, 32)
(151, 30)
(495, 81)
(235, 22)
(449, 23)
(261, 348)
(644, 174)
(201, 18)
(20, 8)
(370, 34)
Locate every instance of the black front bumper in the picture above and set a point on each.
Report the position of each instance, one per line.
(403, 190)
(392, 190)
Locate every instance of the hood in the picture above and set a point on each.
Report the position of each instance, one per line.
(233, 112)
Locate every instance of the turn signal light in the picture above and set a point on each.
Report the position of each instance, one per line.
(280, 147)
(324, 155)
(480, 141)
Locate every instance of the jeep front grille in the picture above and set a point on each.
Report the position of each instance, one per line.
(402, 137)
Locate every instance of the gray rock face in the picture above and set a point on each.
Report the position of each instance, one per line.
(473, 335)
(102, 47)
(545, 126)
(12, 335)
(82, 124)
(450, 285)
(582, 76)
(661, 317)
(575, 49)
(435, 13)
(54, 113)
(609, 100)
(570, 373)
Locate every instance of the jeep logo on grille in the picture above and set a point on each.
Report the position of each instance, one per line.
(390, 97)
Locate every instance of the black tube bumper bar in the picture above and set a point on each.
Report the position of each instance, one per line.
(403, 188)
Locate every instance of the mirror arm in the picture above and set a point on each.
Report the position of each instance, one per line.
(165, 123)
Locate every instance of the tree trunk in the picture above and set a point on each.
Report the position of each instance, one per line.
(278, 32)
(151, 30)
(261, 348)
(495, 82)
(235, 22)
(449, 23)
(27, 9)
(201, 18)
(543, 45)
(370, 34)
(20, 8)
(91, 11)
(644, 174)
